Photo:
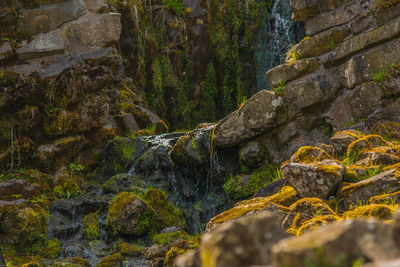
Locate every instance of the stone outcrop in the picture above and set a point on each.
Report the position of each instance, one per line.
(61, 83)
(343, 74)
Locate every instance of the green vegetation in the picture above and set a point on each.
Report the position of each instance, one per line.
(223, 79)
(175, 5)
(241, 186)
(280, 89)
(380, 76)
(68, 189)
(294, 55)
(91, 227)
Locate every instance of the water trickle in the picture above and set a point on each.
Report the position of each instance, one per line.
(276, 36)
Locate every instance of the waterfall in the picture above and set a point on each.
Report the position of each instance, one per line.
(277, 35)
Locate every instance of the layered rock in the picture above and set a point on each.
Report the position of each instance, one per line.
(342, 74)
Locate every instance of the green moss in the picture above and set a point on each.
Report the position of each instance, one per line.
(170, 238)
(237, 188)
(91, 227)
(68, 189)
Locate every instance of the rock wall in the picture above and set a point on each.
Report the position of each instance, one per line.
(61, 84)
(344, 74)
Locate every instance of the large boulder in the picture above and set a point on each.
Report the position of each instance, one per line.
(18, 188)
(240, 244)
(49, 17)
(314, 180)
(354, 105)
(92, 31)
(386, 182)
(285, 197)
(22, 224)
(260, 113)
(130, 215)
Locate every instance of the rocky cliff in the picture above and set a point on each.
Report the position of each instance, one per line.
(332, 117)
(88, 177)
(343, 74)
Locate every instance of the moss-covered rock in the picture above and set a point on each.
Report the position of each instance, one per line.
(301, 215)
(72, 262)
(388, 199)
(319, 180)
(383, 183)
(128, 214)
(23, 224)
(111, 261)
(309, 154)
(168, 213)
(242, 186)
(285, 197)
(126, 249)
(378, 211)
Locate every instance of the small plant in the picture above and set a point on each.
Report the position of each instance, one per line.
(50, 108)
(333, 44)
(175, 5)
(380, 76)
(280, 88)
(294, 55)
(75, 168)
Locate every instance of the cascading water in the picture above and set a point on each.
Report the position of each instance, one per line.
(276, 36)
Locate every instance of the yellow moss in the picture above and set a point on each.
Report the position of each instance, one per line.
(358, 146)
(285, 196)
(309, 154)
(389, 130)
(391, 167)
(330, 169)
(305, 210)
(126, 249)
(32, 264)
(376, 140)
(351, 176)
(385, 198)
(355, 135)
(316, 222)
(172, 254)
(378, 211)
